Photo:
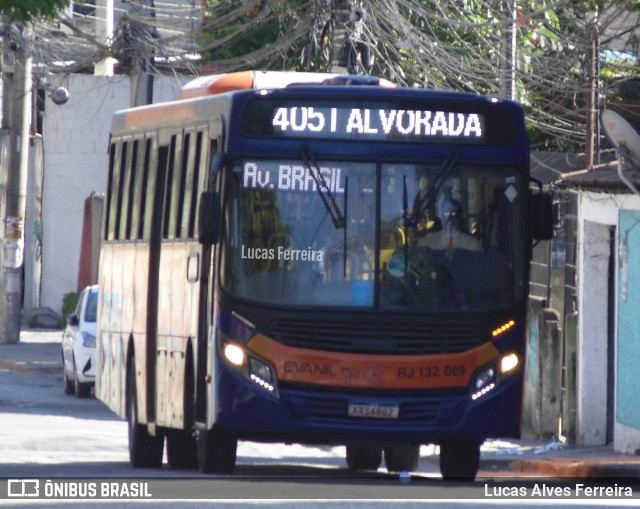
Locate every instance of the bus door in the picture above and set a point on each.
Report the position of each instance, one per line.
(204, 391)
(182, 268)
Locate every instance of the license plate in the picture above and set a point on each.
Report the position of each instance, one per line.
(374, 410)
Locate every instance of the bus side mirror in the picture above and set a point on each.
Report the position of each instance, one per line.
(209, 217)
(542, 217)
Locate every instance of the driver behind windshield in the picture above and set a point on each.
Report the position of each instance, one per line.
(451, 236)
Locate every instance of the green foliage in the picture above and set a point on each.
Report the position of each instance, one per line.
(249, 35)
(30, 10)
(69, 304)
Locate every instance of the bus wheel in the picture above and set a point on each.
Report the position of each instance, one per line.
(216, 452)
(364, 458)
(460, 459)
(181, 450)
(145, 450)
(402, 459)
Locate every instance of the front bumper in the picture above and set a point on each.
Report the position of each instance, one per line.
(313, 415)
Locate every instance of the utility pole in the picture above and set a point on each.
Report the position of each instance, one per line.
(340, 13)
(592, 81)
(12, 248)
(508, 79)
(141, 74)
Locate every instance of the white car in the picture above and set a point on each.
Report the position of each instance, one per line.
(79, 345)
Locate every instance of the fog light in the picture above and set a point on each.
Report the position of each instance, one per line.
(260, 369)
(234, 354)
(483, 382)
(260, 373)
(484, 378)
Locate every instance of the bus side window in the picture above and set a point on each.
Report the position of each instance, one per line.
(186, 186)
(196, 186)
(142, 192)
(130, 192)
(202, 178)
(154, 160)
(123, 185)
(169, 224)
(114, 154)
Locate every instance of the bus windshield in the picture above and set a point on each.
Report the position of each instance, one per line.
(414, 237)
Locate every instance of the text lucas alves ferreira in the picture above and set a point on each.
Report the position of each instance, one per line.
(541, 490)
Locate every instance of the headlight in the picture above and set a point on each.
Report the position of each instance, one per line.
(254, 369)
(490, 377)
(88, 340)
(234, 354)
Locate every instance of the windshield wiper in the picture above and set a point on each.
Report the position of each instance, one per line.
(337, 217)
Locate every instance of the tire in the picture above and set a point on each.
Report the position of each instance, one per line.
(402, 459)
(69, 386)
(460, 459)
(145, 450)
(181, 450)
(216, 452)
(80, 390)
(364, 458)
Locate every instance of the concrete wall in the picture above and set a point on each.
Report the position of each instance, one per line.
(76, 137)
(593, 259)
(543, 373)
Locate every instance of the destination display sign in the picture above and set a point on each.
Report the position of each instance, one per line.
(349, 120)
(376, 123)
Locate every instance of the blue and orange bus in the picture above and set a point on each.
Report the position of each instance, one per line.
(316, 259)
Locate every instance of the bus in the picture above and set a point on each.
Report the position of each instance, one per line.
(317, 259)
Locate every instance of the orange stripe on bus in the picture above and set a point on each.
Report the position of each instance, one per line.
(242, 80)
(159, 114)
(352, 370)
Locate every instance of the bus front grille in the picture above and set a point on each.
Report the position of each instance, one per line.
(319, 407)
(377, 338)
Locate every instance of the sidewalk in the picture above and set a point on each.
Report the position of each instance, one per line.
(39, 349)
(553, 459)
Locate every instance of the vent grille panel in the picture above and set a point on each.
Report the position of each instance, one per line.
(375, 338)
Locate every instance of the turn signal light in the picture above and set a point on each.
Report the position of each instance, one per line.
(503, 328)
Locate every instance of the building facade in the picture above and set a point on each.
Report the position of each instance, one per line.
(608, 284)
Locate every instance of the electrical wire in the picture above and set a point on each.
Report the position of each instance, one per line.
(444, 44)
